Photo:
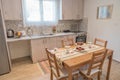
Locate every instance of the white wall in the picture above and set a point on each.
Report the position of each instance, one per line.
(106, 29)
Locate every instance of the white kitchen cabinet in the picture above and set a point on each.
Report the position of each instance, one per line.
(51, 42)
(72, 9)
(77, 9)
(38, 46)
(66, 9)
(37, 50)
(12, 9)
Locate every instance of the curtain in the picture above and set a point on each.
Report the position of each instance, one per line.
(41, 12)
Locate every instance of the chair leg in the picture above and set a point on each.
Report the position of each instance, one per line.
(99, 74)
(89, 79)
(76, 77)
(63, 79)
(51, 76)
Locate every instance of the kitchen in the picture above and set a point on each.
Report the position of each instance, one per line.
(27, 39)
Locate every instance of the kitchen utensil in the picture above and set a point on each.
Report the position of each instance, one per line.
(10, 33)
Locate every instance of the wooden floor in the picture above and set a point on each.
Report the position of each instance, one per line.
(23, 69)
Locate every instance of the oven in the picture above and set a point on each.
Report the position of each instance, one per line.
(81, 37)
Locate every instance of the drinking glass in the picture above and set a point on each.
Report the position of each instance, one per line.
(89, 44)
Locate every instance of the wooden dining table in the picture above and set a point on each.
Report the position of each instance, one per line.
(75, 63)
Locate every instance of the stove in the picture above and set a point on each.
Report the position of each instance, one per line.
(81, 36)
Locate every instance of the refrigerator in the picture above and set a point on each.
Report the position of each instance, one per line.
(5, 64)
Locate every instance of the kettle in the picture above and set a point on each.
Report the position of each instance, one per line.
(10, 33)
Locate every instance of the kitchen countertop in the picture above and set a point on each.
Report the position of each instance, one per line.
(38, 37)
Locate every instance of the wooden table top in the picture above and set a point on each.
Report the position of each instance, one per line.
(78, 61)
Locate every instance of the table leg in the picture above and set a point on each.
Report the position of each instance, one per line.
(70, 74)
(109, 66)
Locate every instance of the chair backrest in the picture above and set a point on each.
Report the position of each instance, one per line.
(109, 52)
(100, 42)
(97, 61)
(53, 63)
(68, 42)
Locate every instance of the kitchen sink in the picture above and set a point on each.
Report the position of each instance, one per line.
(47, 34)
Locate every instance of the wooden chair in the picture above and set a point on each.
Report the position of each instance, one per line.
(95, 65)
(56, 71)
(68, 42)
(100, 42)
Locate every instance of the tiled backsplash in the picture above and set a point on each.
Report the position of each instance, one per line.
(17, 25)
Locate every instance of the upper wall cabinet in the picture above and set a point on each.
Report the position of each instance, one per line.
(12, 9)
(72, 9)
(0, 4)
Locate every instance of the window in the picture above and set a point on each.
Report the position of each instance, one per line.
(41, 12)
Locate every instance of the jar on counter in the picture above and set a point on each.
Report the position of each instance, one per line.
(54, 29)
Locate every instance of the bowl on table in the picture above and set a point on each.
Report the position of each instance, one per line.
(80, 48)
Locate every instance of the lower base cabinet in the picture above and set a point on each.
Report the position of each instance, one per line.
(38, 46)
(37, 50)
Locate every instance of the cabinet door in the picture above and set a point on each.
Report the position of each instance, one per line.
(37, 50)
(44, 46)
(67, 9)
(51, 42)
(80, 9)
(59, 41)
(12, 9)
(77, 9)
(72, 9)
